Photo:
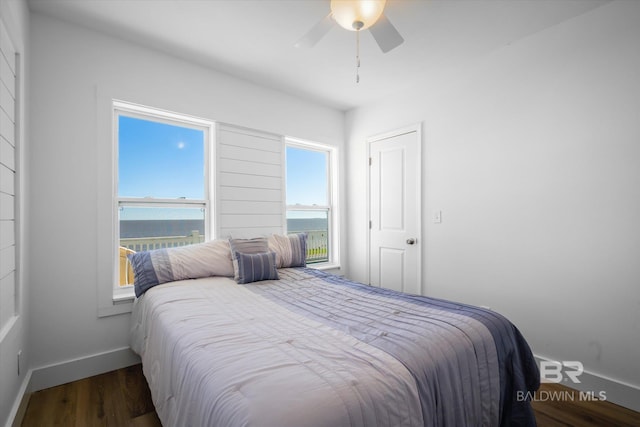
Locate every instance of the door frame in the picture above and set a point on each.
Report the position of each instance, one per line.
(417, 128)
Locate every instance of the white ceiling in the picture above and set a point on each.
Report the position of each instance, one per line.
(254, 39)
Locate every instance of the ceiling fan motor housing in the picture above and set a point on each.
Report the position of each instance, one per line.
(356, 15)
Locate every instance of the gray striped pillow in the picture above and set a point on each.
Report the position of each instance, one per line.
(256, 267)
(158, 266)
(291, 250)
(246, 246)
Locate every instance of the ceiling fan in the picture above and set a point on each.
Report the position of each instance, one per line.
(356, 15)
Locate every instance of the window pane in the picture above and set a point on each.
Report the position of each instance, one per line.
(307, 182)
(316, 225)
(147, 228)
(159, 160)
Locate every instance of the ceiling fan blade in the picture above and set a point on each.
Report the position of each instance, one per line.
(386, 35)
(317, 32)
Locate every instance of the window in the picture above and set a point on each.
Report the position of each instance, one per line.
(162, 182)
(311, 206)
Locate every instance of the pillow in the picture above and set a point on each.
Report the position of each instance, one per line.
(291, 250)
(246, 246)
(256, 267)
(151, 268)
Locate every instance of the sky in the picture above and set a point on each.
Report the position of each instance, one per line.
(160, 160)
(306, 177)
(307, 181)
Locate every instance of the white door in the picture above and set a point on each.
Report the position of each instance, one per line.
(394, 241)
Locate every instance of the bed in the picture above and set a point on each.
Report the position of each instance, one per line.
(315, 349)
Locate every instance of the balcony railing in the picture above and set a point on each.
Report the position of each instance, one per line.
(317, 248)
(149, 243)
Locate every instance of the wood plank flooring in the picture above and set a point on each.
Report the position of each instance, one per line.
(121, 398)
(563, 406)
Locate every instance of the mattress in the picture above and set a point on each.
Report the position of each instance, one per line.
(314, 349)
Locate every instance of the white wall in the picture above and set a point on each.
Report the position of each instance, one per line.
(13, 337)
(72, 66)
(533, 156)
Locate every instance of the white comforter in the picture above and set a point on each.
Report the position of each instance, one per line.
(217, 354)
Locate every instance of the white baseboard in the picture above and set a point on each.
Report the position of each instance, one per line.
(68, 371)
(82, 367)
(20, 404)
(617, 392)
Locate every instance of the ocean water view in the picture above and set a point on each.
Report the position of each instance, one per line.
(136, 229)
(295, 225)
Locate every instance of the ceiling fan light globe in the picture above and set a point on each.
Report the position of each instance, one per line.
(347, 12)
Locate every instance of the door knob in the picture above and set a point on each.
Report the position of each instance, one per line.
(411, 241)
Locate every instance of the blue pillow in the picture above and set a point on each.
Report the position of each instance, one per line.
(256, 267)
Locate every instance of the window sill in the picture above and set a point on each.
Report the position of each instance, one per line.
(324, 266)
(121, 303)
(121, 297)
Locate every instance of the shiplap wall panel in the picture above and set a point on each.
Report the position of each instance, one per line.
(7, 182)
(239, 180)
(7, 261)
(8, 296)
(6, 207)
(250, 167)
(7, 103)
(233, 152)
(250, 182)
(6, 47)
(7, 128)
(238, 221)
(7, 234)
(7, 72)
(231, 207)
(249, 138)
(7, 154)
(7, 178)
(230, 194)
(250, 232)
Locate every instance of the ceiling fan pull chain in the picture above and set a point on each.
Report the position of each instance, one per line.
(357, 56)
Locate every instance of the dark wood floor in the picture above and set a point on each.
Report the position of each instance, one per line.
(121, 398)
(556, 405)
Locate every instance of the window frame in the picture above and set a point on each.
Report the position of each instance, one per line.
(121, 108)
(333, 223)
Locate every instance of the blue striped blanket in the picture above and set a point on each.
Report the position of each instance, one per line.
(466, 360)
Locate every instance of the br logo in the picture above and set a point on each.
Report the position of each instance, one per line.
(555, 372)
